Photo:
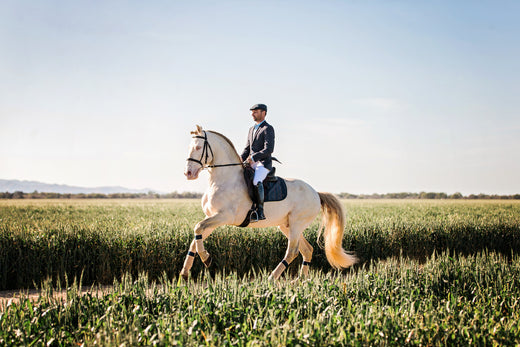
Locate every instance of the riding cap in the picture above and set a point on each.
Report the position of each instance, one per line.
(259, 107)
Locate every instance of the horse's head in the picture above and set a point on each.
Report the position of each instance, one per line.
(202, 154)
(195, 155)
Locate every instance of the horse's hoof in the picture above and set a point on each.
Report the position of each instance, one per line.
(184, 277)
(208, 261)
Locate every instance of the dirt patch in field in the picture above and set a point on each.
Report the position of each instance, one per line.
(34, 294)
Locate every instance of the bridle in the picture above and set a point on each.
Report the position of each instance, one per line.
(206, 149)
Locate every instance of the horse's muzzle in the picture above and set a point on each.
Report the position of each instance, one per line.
(192, 174)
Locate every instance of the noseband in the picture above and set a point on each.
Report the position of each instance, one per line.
(206, 149)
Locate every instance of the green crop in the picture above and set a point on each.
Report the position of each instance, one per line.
(102, 240)
(432, 273)
(444, 300)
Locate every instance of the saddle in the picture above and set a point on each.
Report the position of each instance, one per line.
(275, 189)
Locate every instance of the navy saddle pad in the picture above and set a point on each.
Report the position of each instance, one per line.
(275, 188)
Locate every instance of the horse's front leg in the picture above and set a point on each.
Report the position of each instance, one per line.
(202, 230)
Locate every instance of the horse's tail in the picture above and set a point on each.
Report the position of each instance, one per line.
(334, 221)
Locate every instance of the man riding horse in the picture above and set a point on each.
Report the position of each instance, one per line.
(226, 201)
(258, 150)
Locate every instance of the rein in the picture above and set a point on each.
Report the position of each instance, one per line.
(206, 149)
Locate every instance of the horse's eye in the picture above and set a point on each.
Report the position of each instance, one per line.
(198, 148)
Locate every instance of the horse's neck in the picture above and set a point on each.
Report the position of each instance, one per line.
(226, 175)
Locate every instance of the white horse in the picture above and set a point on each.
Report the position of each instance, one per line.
(226, 202)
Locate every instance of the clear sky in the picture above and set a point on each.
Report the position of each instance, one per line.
(365, 96)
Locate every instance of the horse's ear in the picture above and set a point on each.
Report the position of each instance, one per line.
(198, 131)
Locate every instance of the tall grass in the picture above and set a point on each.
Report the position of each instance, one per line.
(442, 301)
(102, 240)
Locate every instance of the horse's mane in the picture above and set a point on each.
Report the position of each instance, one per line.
(228, 141)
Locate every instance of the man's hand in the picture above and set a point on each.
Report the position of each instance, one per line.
(249, 160)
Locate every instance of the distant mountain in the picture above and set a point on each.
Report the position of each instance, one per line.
(12, 186)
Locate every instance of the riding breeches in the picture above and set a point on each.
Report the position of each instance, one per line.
(260, 172)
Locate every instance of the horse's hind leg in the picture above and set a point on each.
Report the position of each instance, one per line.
(290, 254)
(306, 251)
(294, 234)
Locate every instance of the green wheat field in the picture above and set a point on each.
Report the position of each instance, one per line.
(431, 273)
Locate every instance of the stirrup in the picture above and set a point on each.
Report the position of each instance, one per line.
(251, 217)
(259, 215)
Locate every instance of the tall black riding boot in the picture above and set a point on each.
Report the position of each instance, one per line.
(259, 195)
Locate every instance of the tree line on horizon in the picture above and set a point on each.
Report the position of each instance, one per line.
(195, 195)
(149, 195)
(428, 195)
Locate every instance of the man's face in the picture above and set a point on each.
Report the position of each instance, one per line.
(258, 115)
